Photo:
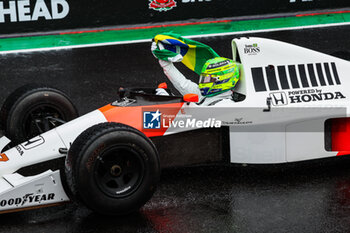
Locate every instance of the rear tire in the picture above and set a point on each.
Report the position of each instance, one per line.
(33, 109)
(112, 168)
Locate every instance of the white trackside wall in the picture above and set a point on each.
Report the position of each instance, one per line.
(304, 88)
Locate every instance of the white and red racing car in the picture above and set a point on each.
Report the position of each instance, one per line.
(291, 104)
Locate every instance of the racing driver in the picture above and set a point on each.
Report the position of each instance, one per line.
(218, 78)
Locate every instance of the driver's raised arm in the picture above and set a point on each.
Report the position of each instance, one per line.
(180, 82)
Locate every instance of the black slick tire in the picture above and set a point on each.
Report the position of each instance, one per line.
(112, 168)
(34, 109)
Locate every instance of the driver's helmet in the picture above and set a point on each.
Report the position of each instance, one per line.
(218, 75)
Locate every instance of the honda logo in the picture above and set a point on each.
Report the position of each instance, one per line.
(278, 98)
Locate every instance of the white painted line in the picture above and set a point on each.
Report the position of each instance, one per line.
(74, 46)
(149, 40)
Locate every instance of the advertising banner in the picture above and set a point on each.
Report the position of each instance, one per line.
(21, 16)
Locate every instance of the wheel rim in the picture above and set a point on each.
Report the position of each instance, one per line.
(40, 119)
(119, 171)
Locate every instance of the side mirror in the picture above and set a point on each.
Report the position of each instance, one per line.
(121, 92)
(191, 98)
(268, 103)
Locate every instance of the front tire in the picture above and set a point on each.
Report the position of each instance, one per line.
(112, 168)
(34, 109)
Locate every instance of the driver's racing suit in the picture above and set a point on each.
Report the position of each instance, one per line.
(186, 86)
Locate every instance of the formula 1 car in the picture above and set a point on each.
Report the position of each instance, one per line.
(291, 104)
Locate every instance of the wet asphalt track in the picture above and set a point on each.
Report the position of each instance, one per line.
(306, 197)
(303, 197)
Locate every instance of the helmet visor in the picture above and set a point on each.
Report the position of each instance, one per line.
(207, 78)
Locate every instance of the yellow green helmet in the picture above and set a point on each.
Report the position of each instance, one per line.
(218, 75)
